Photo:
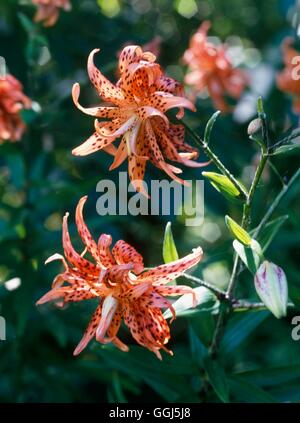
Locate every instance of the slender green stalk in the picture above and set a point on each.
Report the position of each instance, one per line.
(241, 305)
(219, 293)
(245, 224)
(215, 159)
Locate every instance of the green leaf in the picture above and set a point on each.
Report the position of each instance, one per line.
(295, 147)
(206, 301)
(204, 326)
(222, 184)
(245, 391)
(251, 256)
(169, 247)
(209, 126)
(294, 294)
(237, 231)
(26, 23)
(239, 329)
(270, 230)
(198, 349)
(273, 376)
(167, 377)
(217, 379)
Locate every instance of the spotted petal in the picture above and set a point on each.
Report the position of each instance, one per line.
(168, 272)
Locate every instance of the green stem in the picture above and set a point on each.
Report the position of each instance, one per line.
(219, 293)
(241, 305)
(257, 176)
(215, 159)
(245, 224)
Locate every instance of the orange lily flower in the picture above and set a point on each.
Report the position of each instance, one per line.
(48, 10)
(141, 97)
(12, 101)
(124, 291)
(210, 68)
(286, 80)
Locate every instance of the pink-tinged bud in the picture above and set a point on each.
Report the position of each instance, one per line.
(271, 286)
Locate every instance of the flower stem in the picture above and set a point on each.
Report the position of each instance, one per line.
(245, 224)
(219, 293)
(241, 305)
(215, 159)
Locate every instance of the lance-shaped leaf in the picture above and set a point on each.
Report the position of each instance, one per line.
(217, 379)
(237, 231)
(271, 286)
(270, 230)
(251, 255)
(222, 184)
(169, 248)
(295, 147)
(209, 126)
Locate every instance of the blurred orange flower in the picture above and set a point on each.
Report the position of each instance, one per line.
(141, 97)
(124, 291)
(48, 10)
(12, 101)
(289, 79)
(209, 67)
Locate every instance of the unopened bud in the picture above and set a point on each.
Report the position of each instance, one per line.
(271, 286)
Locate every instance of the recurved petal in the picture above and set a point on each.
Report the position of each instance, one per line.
(168, 272)
(110, 149)
(129, 55)
(113, 330)
(154, 299)
(100, 112)
(67, 294)
(84, 232)
(57, 257)
(165, 101)
(116, 128)
(84, 266)
(121, 154)
(90, 330)
(109, 308)
(168, 85)
(136, 171)
(94, 143)
(125, 253)
(146, 112)
(177, 290)
(156, 156)
(105, 88)
(106, 257)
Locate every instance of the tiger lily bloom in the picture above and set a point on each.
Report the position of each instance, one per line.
(123, 289)
(289, 79)
(12, 101)
(140, 99)
(48, 10)
(210, 68)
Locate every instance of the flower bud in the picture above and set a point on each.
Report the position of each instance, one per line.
(271, 286)
(254, 126)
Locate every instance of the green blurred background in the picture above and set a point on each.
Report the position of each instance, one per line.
(40, 180)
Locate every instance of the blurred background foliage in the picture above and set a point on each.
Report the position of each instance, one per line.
(40, 180)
